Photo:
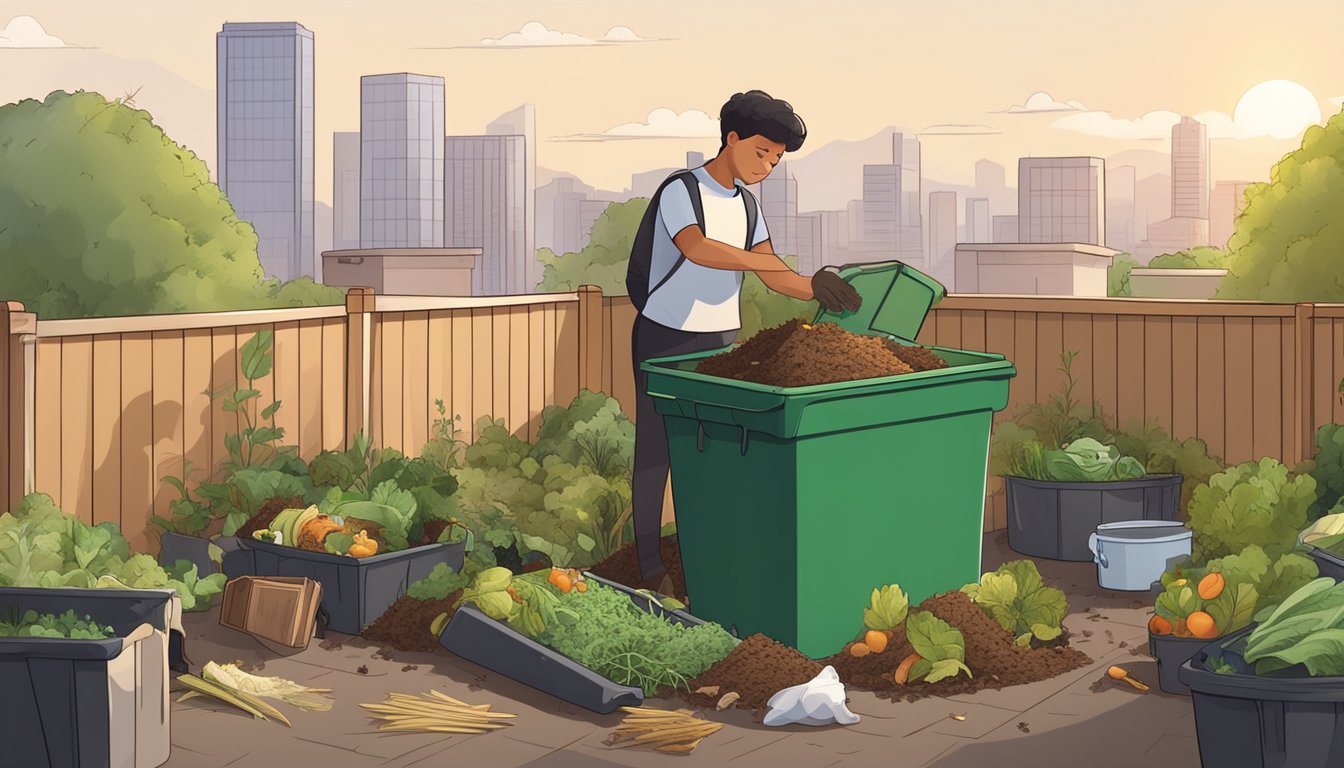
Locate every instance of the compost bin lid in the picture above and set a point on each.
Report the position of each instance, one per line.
(896, 299)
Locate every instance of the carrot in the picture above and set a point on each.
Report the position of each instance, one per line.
(903, 671)
(875, 640)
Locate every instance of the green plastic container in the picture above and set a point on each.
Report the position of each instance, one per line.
(793, 504)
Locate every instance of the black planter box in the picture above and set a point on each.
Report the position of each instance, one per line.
(1286, 720)
(69, 702)
(1054, 520)
(355, 590)
(502, 649)
(1329, 563)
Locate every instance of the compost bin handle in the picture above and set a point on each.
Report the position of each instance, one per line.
(1095, 545)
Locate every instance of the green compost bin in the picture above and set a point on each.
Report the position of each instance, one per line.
(793, 504)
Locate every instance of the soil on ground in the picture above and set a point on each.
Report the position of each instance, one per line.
(267, 514)
(405, 626)
(797, 354)
(623, 566)
(756, 669)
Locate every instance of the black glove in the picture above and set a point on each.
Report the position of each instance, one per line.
(833, 293)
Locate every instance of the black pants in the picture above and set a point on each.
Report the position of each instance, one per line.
(650, 340)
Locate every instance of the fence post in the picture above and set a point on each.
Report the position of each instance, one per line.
(359, 303)
(592, 341)
(1304, 415)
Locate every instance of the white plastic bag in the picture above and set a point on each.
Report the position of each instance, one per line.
(820, 701)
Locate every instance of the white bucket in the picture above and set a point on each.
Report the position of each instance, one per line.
(1131, 555)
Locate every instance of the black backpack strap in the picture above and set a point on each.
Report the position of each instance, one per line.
(693, 190)
(749, 200)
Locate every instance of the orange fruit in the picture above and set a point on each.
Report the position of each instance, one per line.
(1159, 626)
(1201, 625)
(859, 650)
(1211, 586)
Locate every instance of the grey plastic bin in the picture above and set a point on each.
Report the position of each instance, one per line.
(355, 591)
(1054, 520)
(500, 648)
(1243, 720)
(87, 703)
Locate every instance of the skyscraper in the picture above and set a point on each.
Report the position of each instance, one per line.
(345, 191)
(523, 122)
(401, 161)
(892, 222)
(1121, 191)
(484, 180)
(264, 114)
(942, 235)
(779, 205)
(1061, 200)
(977, 221)
(1229, 201)
(1189, 170)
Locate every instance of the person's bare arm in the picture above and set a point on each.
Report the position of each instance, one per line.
(716, 255)
(789, 283)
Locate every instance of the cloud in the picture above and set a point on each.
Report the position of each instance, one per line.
(1041, 101)
(1152, 125)
(959, 129)
(661, 123)
(27, 32)
(534, 34)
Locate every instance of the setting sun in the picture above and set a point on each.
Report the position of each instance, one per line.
(1278, 108)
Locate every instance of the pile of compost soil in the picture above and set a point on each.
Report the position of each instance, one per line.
(405, 626)
(623, 566)
(267, 514)
(757, 669)
(796, 354)
(995, 661)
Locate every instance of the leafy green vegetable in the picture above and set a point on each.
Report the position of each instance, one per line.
(1307, 629)
(887, 609)
(1258, 503)
(1017, 598)
(66, 625)
(941, 648)
(439, 584)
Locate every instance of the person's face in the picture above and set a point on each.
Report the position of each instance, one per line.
(753, 157)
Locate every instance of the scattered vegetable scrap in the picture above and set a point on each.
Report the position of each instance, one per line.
(434, 712)
(680, 731)
(1120, 673)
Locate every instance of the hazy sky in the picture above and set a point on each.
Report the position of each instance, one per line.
(850, 67)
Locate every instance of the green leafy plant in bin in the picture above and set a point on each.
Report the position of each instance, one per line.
(1017, 598)
(941, 648)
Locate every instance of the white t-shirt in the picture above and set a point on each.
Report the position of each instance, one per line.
(696, 298)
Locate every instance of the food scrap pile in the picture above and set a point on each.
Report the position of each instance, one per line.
(798, 354)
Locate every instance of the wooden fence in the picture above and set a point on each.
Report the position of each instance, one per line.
(97, 411)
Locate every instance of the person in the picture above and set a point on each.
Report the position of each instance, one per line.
(694, 276)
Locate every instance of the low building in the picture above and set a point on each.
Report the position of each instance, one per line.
(403, 271)
(1034, 269)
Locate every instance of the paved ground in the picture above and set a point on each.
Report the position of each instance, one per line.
(1079, 718)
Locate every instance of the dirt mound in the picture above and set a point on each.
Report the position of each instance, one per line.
(796, 354)
(995, 661)
(757, 669)
(267, 513)
(405, 626)
(622, 566)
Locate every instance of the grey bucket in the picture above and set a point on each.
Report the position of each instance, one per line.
(1131, 555)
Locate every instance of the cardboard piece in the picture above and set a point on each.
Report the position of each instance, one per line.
(282, 609)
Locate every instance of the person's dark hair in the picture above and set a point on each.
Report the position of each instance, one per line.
(755, 113)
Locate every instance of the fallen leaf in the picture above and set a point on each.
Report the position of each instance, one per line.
(958, 718)
(708, 690)
(727, 701)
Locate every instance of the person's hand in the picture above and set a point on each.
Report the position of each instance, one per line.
(833, 293)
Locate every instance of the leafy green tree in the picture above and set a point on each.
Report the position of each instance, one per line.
(102, 214)
(1287, 243)
(603, 261)
(1117, 275)
(1199, 257)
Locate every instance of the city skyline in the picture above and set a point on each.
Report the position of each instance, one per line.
(978, 108)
